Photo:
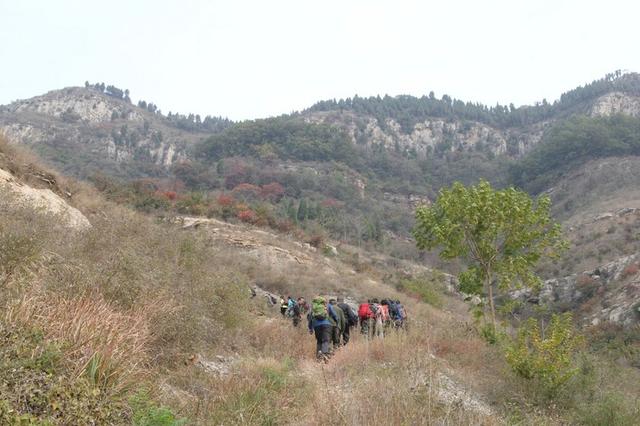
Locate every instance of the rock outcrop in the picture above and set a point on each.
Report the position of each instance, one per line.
(90, 124)
(433, 135)
(610, 292)
(616, 103)
(41, 199)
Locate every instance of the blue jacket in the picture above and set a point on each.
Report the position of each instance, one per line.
(313, 323)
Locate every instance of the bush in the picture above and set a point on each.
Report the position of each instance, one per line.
(146, 413)
(610, 410)
(545, 357)
(630, 270)
(247, 216)
(38, 387)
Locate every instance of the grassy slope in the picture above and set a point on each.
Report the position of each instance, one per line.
(91, 320)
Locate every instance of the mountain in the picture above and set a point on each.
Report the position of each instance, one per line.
(352, 169)
(114, 316)
(81, 130)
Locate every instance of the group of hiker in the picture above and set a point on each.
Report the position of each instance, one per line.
(332, 321)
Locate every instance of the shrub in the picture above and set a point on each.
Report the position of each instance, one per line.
(247, 216)
(225, 200)
(105, 346)
(545, 356)
(37, 387)
(146, 413)
(609, 410)
(630, 270)
(316, 240)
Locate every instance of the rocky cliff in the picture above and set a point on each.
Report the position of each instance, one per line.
(84, 125)
(82, 122)
(608, 293)
(453, 135)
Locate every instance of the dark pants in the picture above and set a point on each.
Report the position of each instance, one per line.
(323, 337)
(368, 327)
(283, 310)
(345, 334)
(296, 320)
(335, 336)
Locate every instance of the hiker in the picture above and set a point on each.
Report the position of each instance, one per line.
(351, 319)
(367, 319)
(386, 316)
(296, 313)
(336, 332)
(290, 304)
(394, 314)
(320, 324)
(378, 329)
(283, 306)
(402, 314)
(304, 306)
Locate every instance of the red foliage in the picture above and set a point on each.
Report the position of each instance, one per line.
(169, 195)
(630, 270)
(247, 216)
(272, 191)
(246, 187)
(225, 200)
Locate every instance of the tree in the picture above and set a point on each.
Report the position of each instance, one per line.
(302, 211)
(499, 234)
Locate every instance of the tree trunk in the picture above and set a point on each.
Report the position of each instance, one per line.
(493, 310)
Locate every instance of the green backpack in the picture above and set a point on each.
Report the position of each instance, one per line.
(318, 309)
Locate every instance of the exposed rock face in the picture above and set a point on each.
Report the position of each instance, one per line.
(434, 135)
(43, 199)
(616, 103)
(96, 126)
(76, 104)
(94, 122)
(615, 285)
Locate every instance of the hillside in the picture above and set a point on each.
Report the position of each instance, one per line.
(164, 327)
(354, 170)
(168, 307)
(79, 130)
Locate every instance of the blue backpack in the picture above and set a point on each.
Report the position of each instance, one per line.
(394, 312)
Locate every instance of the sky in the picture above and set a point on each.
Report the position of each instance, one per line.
(252, 59)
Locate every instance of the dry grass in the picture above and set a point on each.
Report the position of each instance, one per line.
(108, 346)
(132, 300)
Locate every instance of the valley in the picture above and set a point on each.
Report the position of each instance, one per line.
(132, 242)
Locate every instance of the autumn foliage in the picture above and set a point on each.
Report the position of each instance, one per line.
(247, 216)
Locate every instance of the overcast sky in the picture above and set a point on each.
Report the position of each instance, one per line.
(252, 59)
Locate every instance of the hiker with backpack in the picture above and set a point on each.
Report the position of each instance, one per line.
(296, 313)
(290, 304)
(304, 306)
(319, 322)
(367, 316)
(386, 314)
(394, 314)
(336, 332)
(378, 329)
(402, 315)
(351, 319)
